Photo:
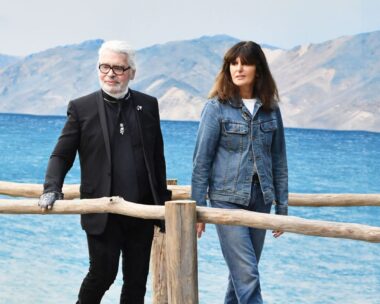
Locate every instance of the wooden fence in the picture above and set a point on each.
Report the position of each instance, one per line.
(183, 192)
(180, 217)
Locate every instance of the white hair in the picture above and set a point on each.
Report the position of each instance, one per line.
(122, 47)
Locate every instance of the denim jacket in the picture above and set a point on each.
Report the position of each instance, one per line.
(232, 145)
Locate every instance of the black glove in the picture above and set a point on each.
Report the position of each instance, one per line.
(160, 224)
(47, 199)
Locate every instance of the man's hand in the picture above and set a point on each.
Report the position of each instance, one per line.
(47, 199)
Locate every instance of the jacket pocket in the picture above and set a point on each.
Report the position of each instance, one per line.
(235, 127)
(268, 128)
(235, 136)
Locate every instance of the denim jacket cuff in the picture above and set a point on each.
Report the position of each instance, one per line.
(281, 210)
(201, 203)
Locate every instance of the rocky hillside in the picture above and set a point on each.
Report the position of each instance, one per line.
(328, 85)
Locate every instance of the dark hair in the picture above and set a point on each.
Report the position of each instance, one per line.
(264, 88)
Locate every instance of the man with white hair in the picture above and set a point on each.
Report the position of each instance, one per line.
(116, 132)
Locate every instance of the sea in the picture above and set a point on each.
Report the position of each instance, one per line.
(43, 258)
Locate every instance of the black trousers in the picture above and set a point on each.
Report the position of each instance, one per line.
(132, 238)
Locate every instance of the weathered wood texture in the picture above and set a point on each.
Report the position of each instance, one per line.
(158, 264)
(208, 215)
(334, 200)
(34, 190)
(289, 224)
(158, 268)
(181, 248)
(100, 205)
(183, 193)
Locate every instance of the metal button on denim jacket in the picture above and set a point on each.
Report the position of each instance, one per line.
(231, 146)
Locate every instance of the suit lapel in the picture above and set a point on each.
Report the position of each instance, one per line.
(138, 110)
(103, 124)
(139, 114)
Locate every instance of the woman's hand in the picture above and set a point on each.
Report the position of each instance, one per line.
(200, 227)
(277, 233)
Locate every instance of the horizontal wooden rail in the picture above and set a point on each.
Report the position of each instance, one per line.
(71, 191)
(183, 193)
(333, 200)
(289, 224)
(208, 215)
(100, 205)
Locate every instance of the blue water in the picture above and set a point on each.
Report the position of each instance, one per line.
(43, 259)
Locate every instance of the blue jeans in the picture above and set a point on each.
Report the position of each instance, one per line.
(241, 248)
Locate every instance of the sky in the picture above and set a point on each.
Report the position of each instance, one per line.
(31, 26)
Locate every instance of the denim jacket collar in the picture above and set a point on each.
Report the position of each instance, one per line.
(235, 102)
(238, 103)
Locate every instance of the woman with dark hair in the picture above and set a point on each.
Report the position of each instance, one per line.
(240, 161)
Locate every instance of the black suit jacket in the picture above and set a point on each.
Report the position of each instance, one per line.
(86, 132)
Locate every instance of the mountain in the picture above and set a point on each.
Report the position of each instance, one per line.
(44, 82)
(6, 60)
(328, 85)
(181, 73)
(333, 84)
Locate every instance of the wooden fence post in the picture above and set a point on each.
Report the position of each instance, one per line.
(158, 263)
(181, 249)
(158, 268)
